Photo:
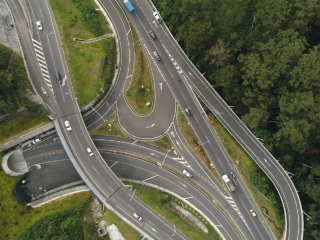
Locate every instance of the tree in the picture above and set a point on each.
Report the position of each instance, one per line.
(218, 54)
(256, 117)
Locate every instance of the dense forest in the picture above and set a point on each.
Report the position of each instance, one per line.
(13, 82)
(263, 58)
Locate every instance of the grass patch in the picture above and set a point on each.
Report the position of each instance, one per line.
(91, 65)
(127, 231)
(160, 203)
(163, 143)
(21, 123)
(140, 90)
(247, 168)
(65, 224)
(193, 142)
(16, 218)
(107, 130)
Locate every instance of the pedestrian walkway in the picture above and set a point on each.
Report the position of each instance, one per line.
(93, 39)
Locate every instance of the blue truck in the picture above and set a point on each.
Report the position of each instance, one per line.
(129, 5)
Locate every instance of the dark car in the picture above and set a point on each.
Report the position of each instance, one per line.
(152, 34)
(232, 174)
(58, 78)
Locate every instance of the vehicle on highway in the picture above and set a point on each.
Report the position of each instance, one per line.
(156, 55)
(58, 78)
(152, 34)
(157, 17)
(185, 172)
(228, 183)
(129, 5)
(89, 151)
(35, 141)
(187, 110)
(253, 213)
(137, 216)
(39, 26)
(68, 126)
(178, 79)
(232, 174)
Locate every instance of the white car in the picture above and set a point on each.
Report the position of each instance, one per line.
(187, 110)
(68, 126)
(185, 172)
(89, 151)
(157, 17)
(39, 26)
(35, 141)
(137, 216)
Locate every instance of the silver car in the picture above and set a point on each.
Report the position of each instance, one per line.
(39, 25)
(152, 34)
(156, 55)
(137, 216)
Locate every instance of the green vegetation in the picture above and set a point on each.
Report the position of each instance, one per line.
(61, 219)
(21, 123)
(140, 90)
(65, 224)
(13, 83)
(90, 18)
(263, 57)
(91, 65)
(160, 202)
(106, 129)
(127, 231)
(253, 176)
(193, 141)
(163, 142)
(15, 218)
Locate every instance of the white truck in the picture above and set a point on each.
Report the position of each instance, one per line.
(228, 183)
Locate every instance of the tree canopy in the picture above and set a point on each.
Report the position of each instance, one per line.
(263, 58)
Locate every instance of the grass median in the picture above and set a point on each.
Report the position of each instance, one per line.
(91, 65)
(140, 91)
(193, 141)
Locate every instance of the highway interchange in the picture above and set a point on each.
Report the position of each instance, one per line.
(44, 57)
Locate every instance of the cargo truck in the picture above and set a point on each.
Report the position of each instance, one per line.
(129, 5)
(228, 183)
